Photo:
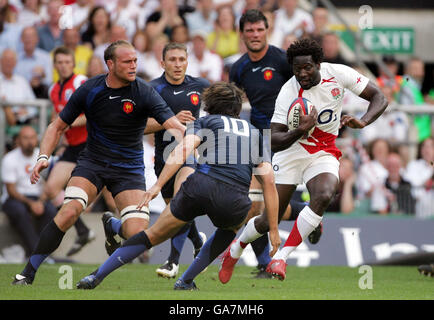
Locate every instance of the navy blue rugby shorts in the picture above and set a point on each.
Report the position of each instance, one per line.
(225, 204)
(101, 174)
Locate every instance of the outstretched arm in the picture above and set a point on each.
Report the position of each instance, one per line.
(173, 163)
(50, 140)
(266, 178)
(378, 103)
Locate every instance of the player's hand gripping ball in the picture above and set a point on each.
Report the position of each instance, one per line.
(300, 106)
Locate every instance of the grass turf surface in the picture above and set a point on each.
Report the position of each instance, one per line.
(139, 282)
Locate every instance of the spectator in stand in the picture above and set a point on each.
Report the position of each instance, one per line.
(395, 80)
(399, 197)
(31, 14)
(32, 57)
(393, 125)
(21, 203)
(372, 176)
(202, 18)
(320, 18)
(14, 87)
(202, 62)
(140, 42)
(154, 57)
(95, 67)
(10, 11)
(288, 40)
(80, 12)
(224, 40)
(82, 53)
(270, 15)
(290, 19)
(420, 173)
(50, 34)
(164, 19)
(411, 94)
(98, 28)
(330, 46)
(117, 32)
(9, 32)
(125, 13)
(180, 34)
(343, 201)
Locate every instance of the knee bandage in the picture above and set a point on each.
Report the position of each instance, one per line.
(133, 212)
(256, 195)
(76, 193)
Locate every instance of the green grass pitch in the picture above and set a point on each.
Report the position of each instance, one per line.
(140, 282)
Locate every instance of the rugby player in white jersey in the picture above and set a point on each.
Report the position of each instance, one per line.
(302, 157)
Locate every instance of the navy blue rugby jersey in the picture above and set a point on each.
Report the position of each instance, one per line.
(262, 81)
(229, 150)
(185, 96)
(116, 119)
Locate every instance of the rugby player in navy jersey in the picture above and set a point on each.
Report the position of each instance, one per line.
(261, 72)
(182, 94)
(117, 106)
(230, 152)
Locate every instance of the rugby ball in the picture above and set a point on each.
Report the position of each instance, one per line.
(300, 106)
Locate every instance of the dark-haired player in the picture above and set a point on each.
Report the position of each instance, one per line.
(182, 94)
(261, 72)
(219, 187)
(116, 106)
(311, 159)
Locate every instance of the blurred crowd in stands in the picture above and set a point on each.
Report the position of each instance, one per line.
(381, 172)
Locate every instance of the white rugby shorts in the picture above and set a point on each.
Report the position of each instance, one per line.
(288, 170)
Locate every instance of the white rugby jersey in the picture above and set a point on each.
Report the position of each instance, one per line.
(327, 97)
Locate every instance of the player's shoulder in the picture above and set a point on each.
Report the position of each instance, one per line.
(240, 63)
(335, 69)
(78, 80)
(93, 82)
(276, 52)
(197, 80)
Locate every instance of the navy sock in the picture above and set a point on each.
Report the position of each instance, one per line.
(49, 240)
(129, 250)
(296, 207)
(116, 225)
(261, 248)
(194, 236)
(211, 249)
(177, 243)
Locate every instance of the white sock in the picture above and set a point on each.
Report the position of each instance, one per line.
(248, 235)
(306, 222)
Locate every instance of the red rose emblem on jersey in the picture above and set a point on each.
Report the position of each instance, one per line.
(336, 93)
(268, 75)
(127, 107)
(194, 98)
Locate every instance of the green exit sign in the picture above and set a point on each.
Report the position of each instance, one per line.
(388, 40)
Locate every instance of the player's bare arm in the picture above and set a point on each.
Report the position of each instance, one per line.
(282, 139)
(152, 126)
(52, 135)
(174, 162)
(80, 121)
(378, 103)
(266, 178)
